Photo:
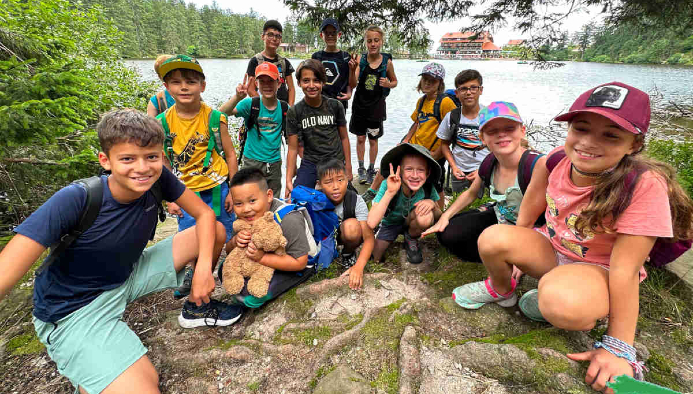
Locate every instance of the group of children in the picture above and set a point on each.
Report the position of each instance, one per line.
(583, 218)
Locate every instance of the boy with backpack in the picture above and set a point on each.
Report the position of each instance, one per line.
(160, 102)
(80, 297)
(352, 212)
(197, 146)
(406, 203)
(265, 123)
(336, 63)
(272, 37)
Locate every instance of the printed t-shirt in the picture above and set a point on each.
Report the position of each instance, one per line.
(508, 203)
(283, 91)
(337, 70)
(294, 230)
(318, 128)
(464, 140)
(169, 101)
(190, 140)
(428, 124)
(100, 259)
(361, 210)
(404, 204)
(647, 214)
(263, 145)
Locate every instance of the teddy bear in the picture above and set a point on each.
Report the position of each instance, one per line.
(266, 235)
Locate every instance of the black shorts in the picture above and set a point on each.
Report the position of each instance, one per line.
(362, 126)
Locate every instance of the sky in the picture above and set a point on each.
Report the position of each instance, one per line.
(275, 9)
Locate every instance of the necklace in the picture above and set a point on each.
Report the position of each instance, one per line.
(593, 174)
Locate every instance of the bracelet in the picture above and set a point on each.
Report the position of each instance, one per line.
(622, 350)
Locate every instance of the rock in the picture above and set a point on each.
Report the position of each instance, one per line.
(643, 353)
(684, 376)
(240, 353)
(343, 380)
(315, 342)
(409, 363)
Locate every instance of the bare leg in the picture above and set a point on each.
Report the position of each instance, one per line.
(140, 377)
(185, 246)
(441, 202)
(372, 150)
(360, 147)
(379, 249)
(377, 181)
(351, 236)
(417, 224)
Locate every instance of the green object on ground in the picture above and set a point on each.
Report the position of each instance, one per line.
(627, 385)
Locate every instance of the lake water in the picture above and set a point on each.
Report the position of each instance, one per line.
(539, 94)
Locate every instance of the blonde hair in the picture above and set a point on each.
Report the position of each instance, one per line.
(159, 61)
(441, 85)
(375, 29)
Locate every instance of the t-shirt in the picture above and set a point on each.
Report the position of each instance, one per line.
(318, 127)
(294, 230)
(283, 91)
(337, 70)
(100, 259)
(265, 145)
(169, 101)
(647, 214)
(428, 124)
(507, 205)
(361, 210)
(464, 142)
(190, 141)
(404, 204)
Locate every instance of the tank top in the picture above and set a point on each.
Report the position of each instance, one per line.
(369, 102)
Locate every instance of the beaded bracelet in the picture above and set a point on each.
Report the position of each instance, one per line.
(622, 350)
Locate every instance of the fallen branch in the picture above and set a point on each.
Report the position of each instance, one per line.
(33, 161)
(340, 340)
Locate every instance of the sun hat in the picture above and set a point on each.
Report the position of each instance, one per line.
(498, 109)
(179, 61)
(625, 105)
(395, 155)
(436, 70)
(268, 69)
(329, 22)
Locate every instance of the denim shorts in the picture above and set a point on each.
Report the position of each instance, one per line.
(226, 218)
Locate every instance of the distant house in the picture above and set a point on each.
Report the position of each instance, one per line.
(294, 48)
(468, 45)
(516, 43)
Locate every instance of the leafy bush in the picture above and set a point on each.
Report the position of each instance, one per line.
(675, 58)
(601, 59)
(679, 155)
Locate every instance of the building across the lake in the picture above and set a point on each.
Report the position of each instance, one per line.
(468, 45)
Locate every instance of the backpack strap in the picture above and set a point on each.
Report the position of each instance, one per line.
(436, 106)
(158, 193)
(526, 167)
(285, 109)
(455, 115)
(214, 134)
(90, 211)
(484, 172)
(419, 107)
(161, 101)
(350, 204)
(254, 113)
(168, 140)
(554, 158)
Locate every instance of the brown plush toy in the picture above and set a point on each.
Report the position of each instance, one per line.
(266, 235)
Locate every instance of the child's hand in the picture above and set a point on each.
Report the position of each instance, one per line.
(424, 207)
(439, 227)
(459, 174)
(517, 274)
(604, 367)
(228, 203)
(254, 253)
(394, 182)
(242, 88)
(349, 173)
(174, 209)
(242, 238)
(202, 286)
(384, 82)
(344, 96)
(355, 275)
(353, 62)
(288, 189)
(471, 176)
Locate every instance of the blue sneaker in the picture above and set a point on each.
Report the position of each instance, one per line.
(216, 313)
(529, 305)
(184, 289)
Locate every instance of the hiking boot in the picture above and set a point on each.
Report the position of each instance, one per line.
(184, 289)
(529, 305)
(348, 260)
(370, 175)
(368, 195)
(477, 294)
(362, 175)
(414, 254)
(216, 313)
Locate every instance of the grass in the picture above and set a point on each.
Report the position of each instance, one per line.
(27, 343)
(387, 381)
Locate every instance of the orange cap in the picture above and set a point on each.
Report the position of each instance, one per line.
(268, 69)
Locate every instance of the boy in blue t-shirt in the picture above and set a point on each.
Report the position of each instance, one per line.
(264, 136)
(80, 298)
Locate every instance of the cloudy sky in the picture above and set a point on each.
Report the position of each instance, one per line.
(275, 9)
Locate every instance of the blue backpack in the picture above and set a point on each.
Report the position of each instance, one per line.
(321, 224)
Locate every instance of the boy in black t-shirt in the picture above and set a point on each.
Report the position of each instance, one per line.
(321, 123)
(272, 37)
(336, 63)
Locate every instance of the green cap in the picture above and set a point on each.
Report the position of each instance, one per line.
(179, 61)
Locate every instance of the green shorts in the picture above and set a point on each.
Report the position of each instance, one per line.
(92, 346)
(271, 171)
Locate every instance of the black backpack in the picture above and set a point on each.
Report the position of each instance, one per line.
(90, 211)
(350, 204)
(252, 119)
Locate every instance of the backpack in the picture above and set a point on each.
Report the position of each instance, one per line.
(214, 135)
(451, 94)
(350, 204)
(436, 109)
(663, 252)
(91, 210)
(280, 63)
(455, 116)
(252, 119)
(382, 69)
(321, 224)
(161, 101)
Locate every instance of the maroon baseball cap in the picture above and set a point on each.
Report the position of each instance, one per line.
(625, 105)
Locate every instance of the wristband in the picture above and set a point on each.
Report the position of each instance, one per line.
(622, 350)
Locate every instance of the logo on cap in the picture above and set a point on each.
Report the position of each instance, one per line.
(608, 96)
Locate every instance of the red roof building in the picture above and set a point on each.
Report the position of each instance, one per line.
(517, 42)
(468, 45)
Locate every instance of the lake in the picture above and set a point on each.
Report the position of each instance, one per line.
(540, 95)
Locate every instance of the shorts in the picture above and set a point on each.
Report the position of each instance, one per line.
(390, 232)
(92, 346)
(441, 180)
(271, 171)
(458, 185)
(360, 126)
(226, 218)
(306, 175)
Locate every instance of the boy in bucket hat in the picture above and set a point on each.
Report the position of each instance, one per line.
(406, 202)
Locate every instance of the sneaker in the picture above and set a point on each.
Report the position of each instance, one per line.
(184, 289)
(348, 260)
(216, 313)
(529, 305)
(477, 294)
(368, 195)
(370, 175)
(362, 175)
(414, 254)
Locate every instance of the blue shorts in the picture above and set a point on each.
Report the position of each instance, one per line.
(226, 218)
(306, 175)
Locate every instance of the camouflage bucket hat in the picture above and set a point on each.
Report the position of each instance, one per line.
(179, 61)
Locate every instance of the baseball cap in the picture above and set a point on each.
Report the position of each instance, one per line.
(268, 69)
(435, 70)
(625, 105)
(179, 61)
(329, 22)
(498, 109)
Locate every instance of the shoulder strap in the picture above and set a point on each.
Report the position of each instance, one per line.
(254, 113)
(168, 140)
(90, 211)
(213, 124)
(285, 109)
(161, 100)
(383, 64)
(554, 158)
(526, 167)
(260, 58)
(419, 108)
(282, 60)
(455, 119)
(484, 172)
(350, 204)
(436, 106)
(159, 197)
(363, 62)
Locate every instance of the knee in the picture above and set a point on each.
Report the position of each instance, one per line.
(423, 221)
(220, 233)
(351, 231)
(361, 138)
(562, 308)
(494, 240)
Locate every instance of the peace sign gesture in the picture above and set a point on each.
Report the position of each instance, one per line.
(242, 88)
(394, 182)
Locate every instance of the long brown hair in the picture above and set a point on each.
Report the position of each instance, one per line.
(607, 203)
